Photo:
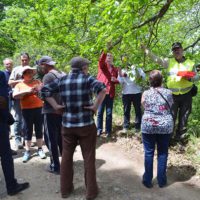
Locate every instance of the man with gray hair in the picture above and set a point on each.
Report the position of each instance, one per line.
(52, 131)
(78, 127)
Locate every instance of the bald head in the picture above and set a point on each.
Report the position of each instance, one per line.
(8, 64)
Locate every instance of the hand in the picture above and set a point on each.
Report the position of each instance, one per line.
(113, 79)
(109, 46)
(120, 71)
(59, 109)
(143, 47)
(92, 107)
(3, 102)
(38, 87)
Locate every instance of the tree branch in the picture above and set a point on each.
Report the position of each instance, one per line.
(154, 19)
(192, 45)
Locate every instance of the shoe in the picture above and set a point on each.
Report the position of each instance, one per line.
(26, 156)
(13, 152)
(32, 144)
(108, 135)
(124, 130)
(18, 188)
(53, 171)
(99, 133)
(137, 130)
(41, 154)
(91, 198)
(147, 185)
(18, 144)
(64, 196)
(162, 185)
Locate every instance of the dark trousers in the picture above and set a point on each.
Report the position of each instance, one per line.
(52, 137)
(32, 117)
(182, 108)
(6, 155)
(134, 99)
(86, 137)
(108, 104)
(149, 142)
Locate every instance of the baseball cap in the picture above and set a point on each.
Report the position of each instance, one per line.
(46, 60)
(176, 45)
(79, 62)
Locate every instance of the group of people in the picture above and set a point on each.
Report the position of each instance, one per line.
(64, 105)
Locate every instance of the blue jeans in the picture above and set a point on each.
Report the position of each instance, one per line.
(127, 100)
(108, 104)
(18, 120)
(149, 142)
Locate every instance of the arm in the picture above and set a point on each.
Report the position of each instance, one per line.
(17, 94)
(99, 89)
(49, 89)
(142, 100)
(12, 83)
(161, 61)
(54, 104)
(12, 80)
(103, 66)
(99, 99)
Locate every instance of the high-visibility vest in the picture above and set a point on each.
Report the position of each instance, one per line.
(177, 84)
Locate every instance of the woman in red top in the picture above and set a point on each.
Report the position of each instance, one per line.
(31, 106)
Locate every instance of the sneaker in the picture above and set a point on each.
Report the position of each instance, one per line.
(124, 130)
(51, 170)
(26, 156)
(41, 154)
(13, 152)
(108, 135)
(18, 188)
(18, 144)
(99, 133)
(137, 130)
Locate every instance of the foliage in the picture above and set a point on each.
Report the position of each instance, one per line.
(66, 28)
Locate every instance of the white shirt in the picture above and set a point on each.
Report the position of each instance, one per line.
(129, 85)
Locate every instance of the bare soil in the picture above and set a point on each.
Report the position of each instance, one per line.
(119, 163)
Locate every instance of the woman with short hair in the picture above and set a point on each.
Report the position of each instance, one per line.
(157, 126)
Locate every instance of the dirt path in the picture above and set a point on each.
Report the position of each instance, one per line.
(118, 174)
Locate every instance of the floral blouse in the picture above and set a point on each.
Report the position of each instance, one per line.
(157, 118)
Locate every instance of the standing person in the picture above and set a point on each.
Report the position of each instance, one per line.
(8, 64)
(13, 187)
(31, 106)
(16, 77)
(129, 78)
(78, 127)
(181, 86)
(52, 131)
(107, 74)
(157, 125)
